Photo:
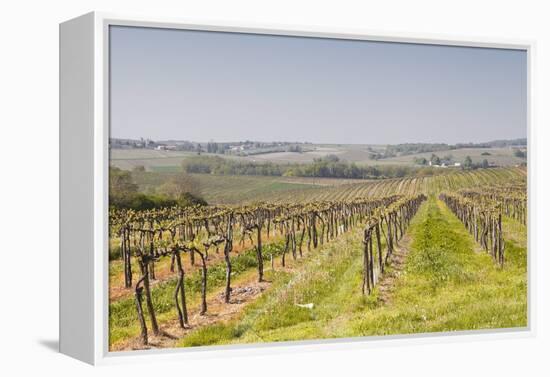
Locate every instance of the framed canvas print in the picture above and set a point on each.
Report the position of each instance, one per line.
(238, 189)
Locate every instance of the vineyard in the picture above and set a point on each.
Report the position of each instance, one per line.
(226, 273)
(232, 190)
(481, 212)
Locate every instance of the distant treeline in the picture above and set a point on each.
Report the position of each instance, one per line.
(521, 142)
(326, 167)
(415, 148)
(408, 149)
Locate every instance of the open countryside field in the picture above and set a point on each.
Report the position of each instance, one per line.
(248, 189)
(497, 156)
(318, 286)
(217, 189)
(360, 155)
(162, 160)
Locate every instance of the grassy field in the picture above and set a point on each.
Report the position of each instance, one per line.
(447, 284)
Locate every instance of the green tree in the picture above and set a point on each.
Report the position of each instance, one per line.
(420, 161)
(467, 163)
(519, 153)
(179, 185)
(121, 182)
(121, 186)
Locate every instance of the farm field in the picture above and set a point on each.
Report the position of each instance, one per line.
(247, 189)
(316, 278)
(360, 155)
(155, 160)
(128, 159)
(240, 189)
(409, 186)
(498, 156)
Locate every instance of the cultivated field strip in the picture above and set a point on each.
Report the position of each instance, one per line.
(451, 181)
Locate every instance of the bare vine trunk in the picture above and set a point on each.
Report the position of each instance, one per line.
(141, 317)
(379, 245)
(180, 293)
(149, 300)
(203, 288)
(259, 255)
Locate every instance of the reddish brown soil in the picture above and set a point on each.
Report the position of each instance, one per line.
(117, 290)
(218, 311)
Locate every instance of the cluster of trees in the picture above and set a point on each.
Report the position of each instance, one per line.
(326, 167)
(435, 160)
(124, 193)
(331, 167)
(213, 147)
(415, 148)
(225, 166)
(469, 164)
(408, 149)
(448, 160)
(494, 144)
(250, 147)
(379, 155)
(295, 148)
(520, 153)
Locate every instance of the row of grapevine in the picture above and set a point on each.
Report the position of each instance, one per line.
(390, 223)
(512, 199)
(482, 219)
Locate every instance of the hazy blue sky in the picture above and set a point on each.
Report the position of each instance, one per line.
(192, 85)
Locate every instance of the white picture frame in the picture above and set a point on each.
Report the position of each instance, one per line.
(84, 122)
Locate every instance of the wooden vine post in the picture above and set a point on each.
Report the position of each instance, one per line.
(226, 251)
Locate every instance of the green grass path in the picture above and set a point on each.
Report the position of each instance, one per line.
(448, 284)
